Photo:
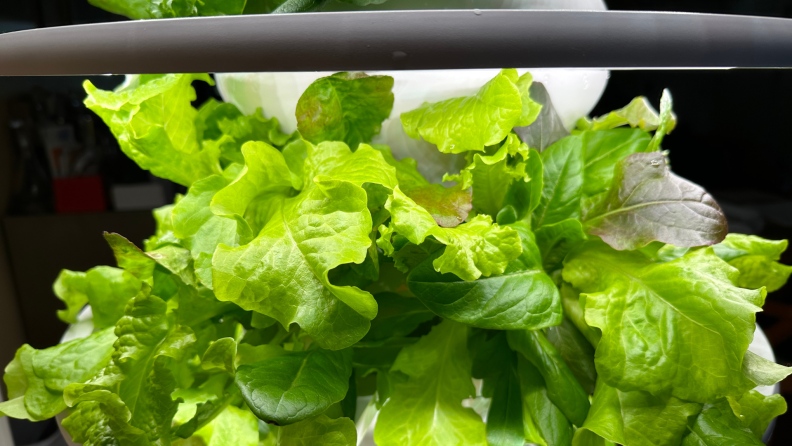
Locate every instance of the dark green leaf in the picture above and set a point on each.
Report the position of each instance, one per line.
(557, 240)
(578, 354)
(397, 316)
(562, 387)
(543, 422)
(295, 386)
(547, 128)
(562, 180)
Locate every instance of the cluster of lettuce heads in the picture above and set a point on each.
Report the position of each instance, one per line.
(569, 286)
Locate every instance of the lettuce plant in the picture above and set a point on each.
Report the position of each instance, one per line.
(568, 286)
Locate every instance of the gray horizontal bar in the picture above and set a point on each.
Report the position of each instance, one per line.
(401, 40)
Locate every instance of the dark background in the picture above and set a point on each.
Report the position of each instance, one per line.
(733, 138)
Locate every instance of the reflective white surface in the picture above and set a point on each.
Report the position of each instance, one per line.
(574, 93)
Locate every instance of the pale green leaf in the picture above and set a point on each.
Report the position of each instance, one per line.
(427, 408)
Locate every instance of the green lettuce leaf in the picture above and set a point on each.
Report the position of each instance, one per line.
(222, 125)
(163, 234)
(757, 261)
(36, 379)
(427, 408)
(638, 113)
(530, 108)
(198, 228)
(756, 411)
(397, 316)
(717, 425)
(326, 225)
(232, 426)
(158, 9)
(319, 431)
(149, 347)
(651, 313)
(100, 418)
(496, 364)
(469, 123)
(492, 175)
(295, 386)
(474, 249)
(522, 197)
(562, 387)
(577, 352)
(347, 107)
(562, 182)
(221, 355)
(153, 120)
(670, 209)
(523, 296)
(637, 418)
(557, 240)
(602, 150)
(105, 288)
(761, 371)
(543, 422)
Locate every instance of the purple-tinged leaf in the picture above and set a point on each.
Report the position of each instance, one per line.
(449, 206)
(647, 203)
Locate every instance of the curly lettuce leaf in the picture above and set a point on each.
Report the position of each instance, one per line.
(36, 379)
(638, 113)
(105, 288)
(150, 345)
(158, 9)
(473, 249)
(325, 225)
(492, 175)
(522, 297)
(222, 125)
(469, 123)
(427, 408)
(100, 418)
(680, 328)
(296, 385)
(154, 122)
(647, 203)
(348, 107)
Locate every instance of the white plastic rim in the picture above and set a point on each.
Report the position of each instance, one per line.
(574, 92)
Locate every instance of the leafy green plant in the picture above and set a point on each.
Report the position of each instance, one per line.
(569, 287)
